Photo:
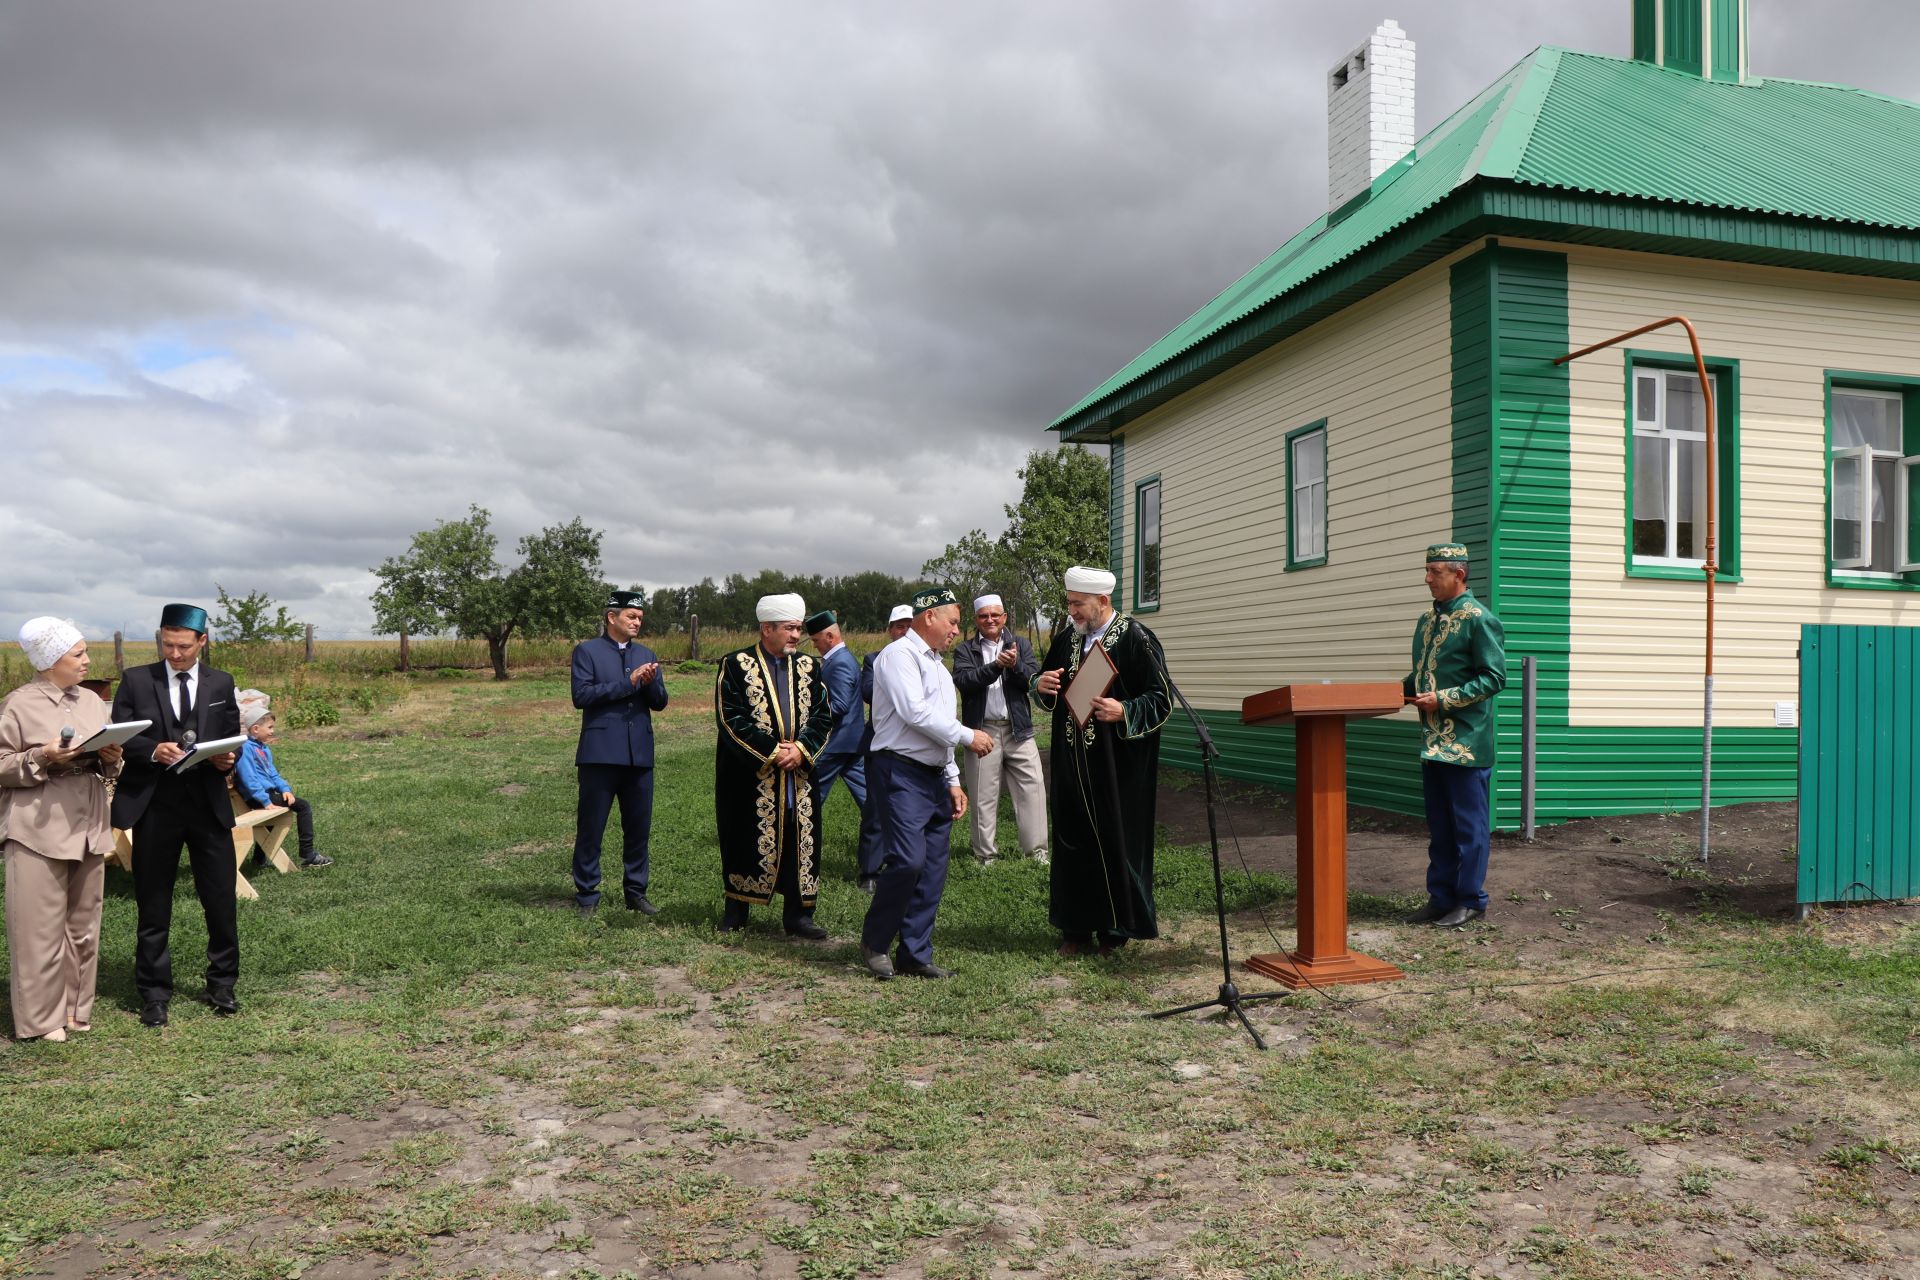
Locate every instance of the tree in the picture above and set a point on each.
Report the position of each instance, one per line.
(449, 580)
(248, 618)
(1060, 521)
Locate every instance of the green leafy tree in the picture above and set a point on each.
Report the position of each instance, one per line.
(449, 580)
(1060, 521)
(252, 617)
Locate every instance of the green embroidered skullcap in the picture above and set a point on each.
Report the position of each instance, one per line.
(933, 598)
(1447, 553)
(626, 600)
(190, 617)
(821, 621)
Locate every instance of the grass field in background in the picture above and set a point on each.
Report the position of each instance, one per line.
(440, 1071)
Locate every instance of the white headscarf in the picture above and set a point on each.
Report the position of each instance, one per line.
(47, 640)
(783, 608)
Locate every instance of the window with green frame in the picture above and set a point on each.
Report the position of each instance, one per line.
(1146, 543)
(1873, 452)
(1667, 471)
(1307, 495)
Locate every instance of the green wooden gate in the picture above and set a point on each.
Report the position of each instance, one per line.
(1859, 763)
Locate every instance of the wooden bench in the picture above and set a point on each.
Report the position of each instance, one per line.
(267, 827)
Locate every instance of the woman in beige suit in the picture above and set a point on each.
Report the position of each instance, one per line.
(53, 811)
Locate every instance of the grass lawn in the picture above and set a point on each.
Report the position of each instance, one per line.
(441, 1071)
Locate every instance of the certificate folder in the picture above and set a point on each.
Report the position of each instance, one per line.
(114, 734)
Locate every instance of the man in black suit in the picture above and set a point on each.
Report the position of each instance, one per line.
(188, 702)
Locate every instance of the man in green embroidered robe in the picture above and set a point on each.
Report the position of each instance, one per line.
(774, 719)
(1459, 664)
(1104, 775)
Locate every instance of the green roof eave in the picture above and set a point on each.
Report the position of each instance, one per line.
(1490, 207)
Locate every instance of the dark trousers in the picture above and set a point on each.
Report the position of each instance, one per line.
(302, 824)
(600, 786)
(169, 822)
(916, 815)
(872, 836)
(849, 767)
(1457, 846)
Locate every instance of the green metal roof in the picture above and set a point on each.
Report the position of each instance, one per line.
(1608, 126)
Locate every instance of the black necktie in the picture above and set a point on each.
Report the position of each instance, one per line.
(186, 698)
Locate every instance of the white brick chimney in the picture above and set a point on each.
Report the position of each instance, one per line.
(1369, 112)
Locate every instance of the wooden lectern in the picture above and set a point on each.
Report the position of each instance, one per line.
(1319, 714)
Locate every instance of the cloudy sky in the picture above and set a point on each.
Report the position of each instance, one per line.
(783, 284)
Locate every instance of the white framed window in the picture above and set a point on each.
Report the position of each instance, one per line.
(1871, 486)
(1307, 496)
(1670, 471)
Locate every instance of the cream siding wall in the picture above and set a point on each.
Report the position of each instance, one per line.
(1637, 644)
(1233, 620)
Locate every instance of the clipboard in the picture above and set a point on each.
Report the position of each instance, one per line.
(1096, 675)
(113, 735)
(201, 750)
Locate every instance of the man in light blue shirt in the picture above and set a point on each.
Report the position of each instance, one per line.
(914, 781)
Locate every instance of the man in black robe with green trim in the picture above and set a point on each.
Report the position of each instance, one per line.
(1104, 774)
(774, 719)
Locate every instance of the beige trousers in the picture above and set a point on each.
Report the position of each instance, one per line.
(1019, 765)
(53, 937)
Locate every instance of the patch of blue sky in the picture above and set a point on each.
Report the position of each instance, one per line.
(160, 354)
(27, 372)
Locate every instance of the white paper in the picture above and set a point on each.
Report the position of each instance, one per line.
(219, 746)
(114, 734)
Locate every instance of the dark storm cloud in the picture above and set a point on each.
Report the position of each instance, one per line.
(282, 284)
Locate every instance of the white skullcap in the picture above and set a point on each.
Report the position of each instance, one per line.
(46, 640)
(255, 706)
(981, 602)
(786, 608)
(901, 613)
(1092, 582)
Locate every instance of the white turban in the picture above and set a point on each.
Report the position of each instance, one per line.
(46, 640)
(786, 608)
(981, 602)
(1092, 582)
(901, 613)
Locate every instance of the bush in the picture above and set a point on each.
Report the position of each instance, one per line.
(313, 709)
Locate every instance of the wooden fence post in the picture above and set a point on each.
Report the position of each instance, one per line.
(405, 656)
(693, 636)
(119, 652)
(309, 642)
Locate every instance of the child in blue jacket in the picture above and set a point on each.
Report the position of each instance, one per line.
(260, 782)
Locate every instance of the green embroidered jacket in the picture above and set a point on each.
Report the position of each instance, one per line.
(1459, 653)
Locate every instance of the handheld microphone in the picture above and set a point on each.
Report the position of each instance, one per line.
(66, 736)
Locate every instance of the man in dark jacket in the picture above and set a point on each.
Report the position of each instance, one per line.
(188, 703)
(617, 685)
(994, 669)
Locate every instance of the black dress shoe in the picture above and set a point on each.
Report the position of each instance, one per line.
(1425, 915)
(155, 1014)
(1458, 916)
(804, 927)
(913, 970)
(222, 1003)
(877, 963)
(639, 903)
(734, 918)
(868, 885)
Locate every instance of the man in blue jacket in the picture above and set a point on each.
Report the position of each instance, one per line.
(843, 758)
(617, 685)
(871, 851)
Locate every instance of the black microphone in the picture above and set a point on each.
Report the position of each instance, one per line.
(66, 736)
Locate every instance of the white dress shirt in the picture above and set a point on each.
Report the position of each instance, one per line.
(996, 696)
(173, 688)
(1086, 641)
(913, 711)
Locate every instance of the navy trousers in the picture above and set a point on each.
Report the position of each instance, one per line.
(916, 817)
(1457, 834)
(849, 767)
(600, 786)
(873, 849)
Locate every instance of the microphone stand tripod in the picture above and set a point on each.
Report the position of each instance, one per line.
(1229, 996)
